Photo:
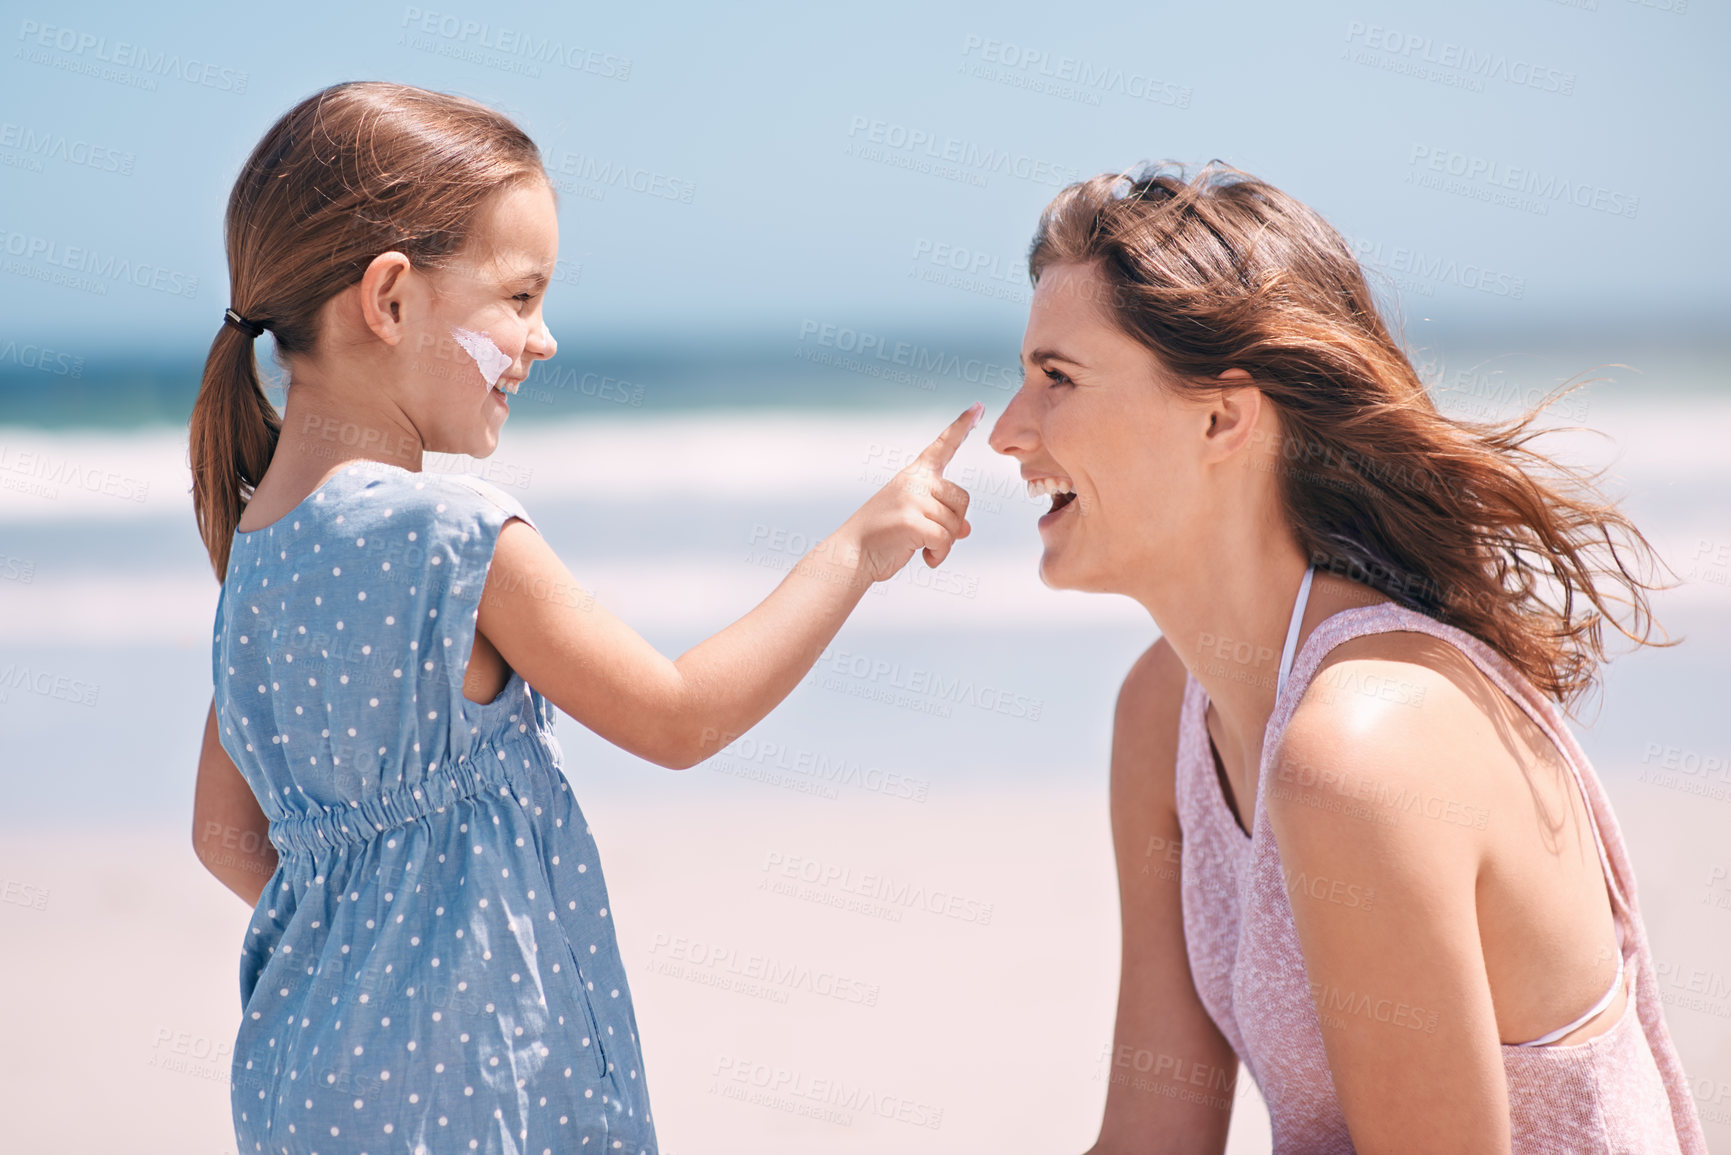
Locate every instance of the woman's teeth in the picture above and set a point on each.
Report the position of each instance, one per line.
(508, 387)
(1057, 488)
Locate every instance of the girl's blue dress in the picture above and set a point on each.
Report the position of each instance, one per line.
(433, 966)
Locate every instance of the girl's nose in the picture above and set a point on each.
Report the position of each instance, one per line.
(541, 342)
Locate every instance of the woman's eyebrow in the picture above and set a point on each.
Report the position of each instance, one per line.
(1051, 355)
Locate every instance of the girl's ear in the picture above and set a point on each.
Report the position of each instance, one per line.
(382, 292)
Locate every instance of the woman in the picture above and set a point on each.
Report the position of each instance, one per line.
(1399, 893)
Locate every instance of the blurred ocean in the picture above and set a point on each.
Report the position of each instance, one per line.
(683, 503)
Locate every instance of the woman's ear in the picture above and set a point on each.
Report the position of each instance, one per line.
(1233, 414)
(383, 295)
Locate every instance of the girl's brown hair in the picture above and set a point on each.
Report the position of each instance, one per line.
(1457, 519)
(352, 171)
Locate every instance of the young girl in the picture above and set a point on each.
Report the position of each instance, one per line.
(1358, 848)
(431, 963)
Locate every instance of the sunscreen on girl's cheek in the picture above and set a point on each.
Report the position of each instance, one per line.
(492, 360)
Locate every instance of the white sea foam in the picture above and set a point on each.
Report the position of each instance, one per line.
(57, 475)
(1674, 443)
(1670, 460)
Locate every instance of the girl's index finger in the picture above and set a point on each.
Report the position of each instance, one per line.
(937, 455)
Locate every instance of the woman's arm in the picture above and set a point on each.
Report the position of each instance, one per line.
(229, 831)
(1377, 795)
(677, 713)
(1163, 1039)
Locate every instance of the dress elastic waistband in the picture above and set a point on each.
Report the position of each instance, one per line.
(487, 768)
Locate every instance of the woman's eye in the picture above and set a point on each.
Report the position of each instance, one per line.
(524, 297)
(1057, 378)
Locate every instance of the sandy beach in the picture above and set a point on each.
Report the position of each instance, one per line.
(978, 1027)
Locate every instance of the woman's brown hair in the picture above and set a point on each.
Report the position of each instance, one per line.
(1456, 519)
(352, 171)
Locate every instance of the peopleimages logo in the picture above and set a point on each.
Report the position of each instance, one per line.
(513, 42)
(62, 687)
(893, 892)
(872, 139)
(1419, 271)
(46, 468)
(41, 359)
(592, 170)
(87, 46)
(799, 1093)
(913, 357)
(968, 260)
(102, 266)
(1069, 77)
(1493, 177)
(764, 969)
(1450, 63)
(43, 145)
(972, 269)
(749, 750)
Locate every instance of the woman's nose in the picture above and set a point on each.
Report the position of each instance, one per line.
(1013, 434)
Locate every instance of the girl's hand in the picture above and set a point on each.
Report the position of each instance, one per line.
(918, 510)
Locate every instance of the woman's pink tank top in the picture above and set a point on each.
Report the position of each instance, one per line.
(1622, 1091)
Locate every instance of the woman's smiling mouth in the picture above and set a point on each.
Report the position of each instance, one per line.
(1059, 489)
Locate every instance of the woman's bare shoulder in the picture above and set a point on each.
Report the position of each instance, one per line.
(1408, 687)
(1406, 719)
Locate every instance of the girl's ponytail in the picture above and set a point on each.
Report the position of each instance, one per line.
(233, 434)
(352, 171)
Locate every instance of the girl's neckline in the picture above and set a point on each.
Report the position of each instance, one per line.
(348, 468)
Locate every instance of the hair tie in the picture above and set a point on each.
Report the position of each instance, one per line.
(250, 328)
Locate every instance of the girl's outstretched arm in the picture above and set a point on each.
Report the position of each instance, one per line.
(677, 713)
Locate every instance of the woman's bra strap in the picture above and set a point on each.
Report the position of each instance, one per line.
(1598, 1008)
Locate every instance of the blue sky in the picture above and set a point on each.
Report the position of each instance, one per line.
(1508, 162)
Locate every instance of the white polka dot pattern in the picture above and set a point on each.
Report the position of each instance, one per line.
(418, 973)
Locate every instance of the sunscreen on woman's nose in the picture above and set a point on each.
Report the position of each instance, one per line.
(492, 360)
